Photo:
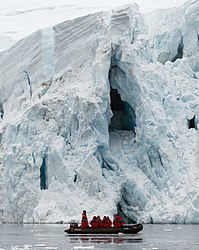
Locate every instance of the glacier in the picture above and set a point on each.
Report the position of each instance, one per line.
(101, 113)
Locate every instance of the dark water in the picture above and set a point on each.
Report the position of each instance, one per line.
(153, 237)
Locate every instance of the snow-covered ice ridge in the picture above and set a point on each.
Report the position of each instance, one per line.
(101, 113)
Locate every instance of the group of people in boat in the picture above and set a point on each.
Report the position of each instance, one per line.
(97, 222)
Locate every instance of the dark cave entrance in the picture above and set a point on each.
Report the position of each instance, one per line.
(43, 175)
(1, 111)
(192, 123)
(124, 217)
(179, 54)
(123, 114)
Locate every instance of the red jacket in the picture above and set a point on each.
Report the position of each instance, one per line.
(118, 221)
(110, 222)
(100, 221)
(84, 222)
(105, 222)
(95, 222)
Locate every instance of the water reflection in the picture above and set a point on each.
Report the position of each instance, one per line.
(103, 239)
(43, 237)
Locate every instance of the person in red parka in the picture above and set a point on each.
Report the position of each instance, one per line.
(105, 222)
(84, 222)
(100, 221)
(118, 222)
(95, 222)
(110, 222)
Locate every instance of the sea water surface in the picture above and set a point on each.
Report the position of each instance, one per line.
(52, 236)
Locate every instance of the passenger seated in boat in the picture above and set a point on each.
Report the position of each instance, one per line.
(95, 223)
(118, 222)
(105, 222)
(84, 222)
(110, 222)
(100, 221)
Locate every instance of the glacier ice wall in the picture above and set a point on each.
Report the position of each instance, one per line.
(101, 113)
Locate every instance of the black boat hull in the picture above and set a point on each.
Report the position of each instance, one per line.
(127, 229)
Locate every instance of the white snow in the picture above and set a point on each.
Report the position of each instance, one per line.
(20, 18)
(63, 149)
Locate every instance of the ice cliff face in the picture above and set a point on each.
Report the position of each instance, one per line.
(5, 42)
(101, 113)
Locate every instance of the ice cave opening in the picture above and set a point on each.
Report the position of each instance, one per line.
(192, 123)
(123, 114)
(179, 54)
(1, 111)
(120, 212)
(121, 132)
(43, 175)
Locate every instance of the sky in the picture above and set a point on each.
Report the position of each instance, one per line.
(19, 18)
